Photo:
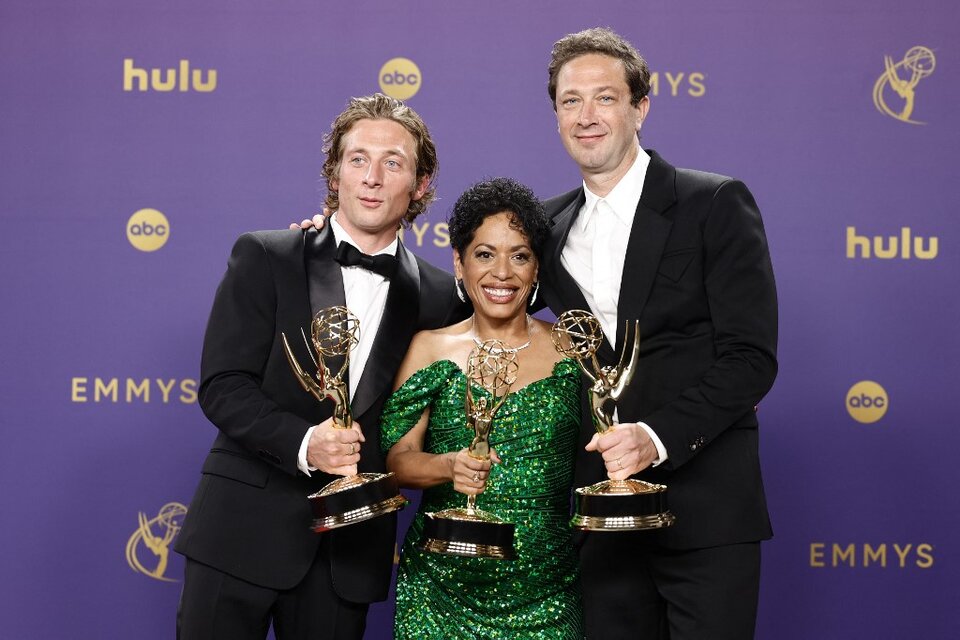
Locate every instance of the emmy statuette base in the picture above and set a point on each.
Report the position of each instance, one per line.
(624, 505)
(468, 532)
(353, 499)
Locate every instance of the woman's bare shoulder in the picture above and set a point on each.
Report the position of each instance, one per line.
(429, 346)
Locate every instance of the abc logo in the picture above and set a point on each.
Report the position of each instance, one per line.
(867, 401)
(400, 78)
(148, 229)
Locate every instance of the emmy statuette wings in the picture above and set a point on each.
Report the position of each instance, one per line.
(351, 499)
(611, 505)
(470, 531)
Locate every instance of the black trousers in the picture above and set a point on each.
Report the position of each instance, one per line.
(633, 589)
(218, 606)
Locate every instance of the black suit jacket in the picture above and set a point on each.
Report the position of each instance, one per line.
(698, 276)
(250, 516)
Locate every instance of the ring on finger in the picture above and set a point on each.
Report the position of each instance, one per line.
(620, 463)
(353, 448)
(476, 477)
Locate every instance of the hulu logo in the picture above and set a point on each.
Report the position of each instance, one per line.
(904, 246)
(182, 78)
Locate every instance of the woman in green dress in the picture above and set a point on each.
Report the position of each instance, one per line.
(497, 230)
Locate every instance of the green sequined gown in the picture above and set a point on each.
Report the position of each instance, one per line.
(537, 594)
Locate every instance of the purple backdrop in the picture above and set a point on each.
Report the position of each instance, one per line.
(100, 122)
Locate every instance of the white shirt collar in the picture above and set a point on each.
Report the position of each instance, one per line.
(625, 195)
(340, 235)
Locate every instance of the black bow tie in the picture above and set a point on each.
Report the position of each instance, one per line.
(383, 264)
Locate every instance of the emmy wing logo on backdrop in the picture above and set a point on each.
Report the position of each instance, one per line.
(897, 83)
(149, 546)
(400, 78)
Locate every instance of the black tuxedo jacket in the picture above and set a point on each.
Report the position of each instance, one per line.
(698, 277)
(250, 516)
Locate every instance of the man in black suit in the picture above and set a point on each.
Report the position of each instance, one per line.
(252, 559)
(686, 254)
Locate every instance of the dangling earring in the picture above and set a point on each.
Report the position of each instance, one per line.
(460, 292)
(533, 296)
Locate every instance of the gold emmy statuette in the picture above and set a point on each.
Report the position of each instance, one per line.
(359, 497)
(611, 505)
(472, 532)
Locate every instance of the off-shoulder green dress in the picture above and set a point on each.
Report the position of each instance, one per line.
(536, 595)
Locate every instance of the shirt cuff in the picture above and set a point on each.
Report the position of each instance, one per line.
(661, 450)
(302, 455)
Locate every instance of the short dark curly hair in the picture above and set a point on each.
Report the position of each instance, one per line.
(493, 196)
(606, 42)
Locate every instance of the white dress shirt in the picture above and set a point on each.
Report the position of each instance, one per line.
(596, 250)
(366, 297)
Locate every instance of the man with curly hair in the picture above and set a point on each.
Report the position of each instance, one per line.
(684, 252)
(252, 559)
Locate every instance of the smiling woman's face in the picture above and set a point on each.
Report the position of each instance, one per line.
(498, 268)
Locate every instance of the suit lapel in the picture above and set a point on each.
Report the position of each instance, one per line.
(648, 236)
(397, 326)
(559, 230)
(323, 274)
(563, 283)
(566, 287)
(324, 280)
